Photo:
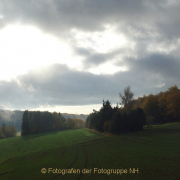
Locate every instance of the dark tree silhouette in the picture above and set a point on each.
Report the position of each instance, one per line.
(25, 124)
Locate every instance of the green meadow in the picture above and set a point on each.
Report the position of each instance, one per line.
(153, 153)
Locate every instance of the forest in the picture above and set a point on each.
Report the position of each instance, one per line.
(152, 109)
(39, 122)
(14, 118)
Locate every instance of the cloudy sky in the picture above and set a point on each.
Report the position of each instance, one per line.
(69, 55)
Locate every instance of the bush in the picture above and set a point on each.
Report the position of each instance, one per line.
(7, 131)
(1, 134)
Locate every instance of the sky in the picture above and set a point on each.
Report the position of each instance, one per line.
(67, 56)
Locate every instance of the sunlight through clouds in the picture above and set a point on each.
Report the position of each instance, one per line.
(69, 109)
(26, 47)
(107, 68)
(165, 46)
(100, 41)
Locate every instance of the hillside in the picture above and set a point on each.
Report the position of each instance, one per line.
(149, 154)
(14, 118)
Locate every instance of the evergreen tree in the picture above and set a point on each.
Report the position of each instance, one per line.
(25, 124)
(141, 119)
(106, 114)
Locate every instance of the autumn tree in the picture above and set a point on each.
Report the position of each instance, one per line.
(169, 104)
(11, 131)
(151, 107)
(126, 99)
(173, 104)
(70, 123)
(57, 122)
(79, 123)
(138, 103)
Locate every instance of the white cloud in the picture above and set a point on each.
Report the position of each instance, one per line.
(107, 68)
(161, 85)
(100, 41)
(166, 46)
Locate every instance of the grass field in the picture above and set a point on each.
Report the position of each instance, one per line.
(154, 153)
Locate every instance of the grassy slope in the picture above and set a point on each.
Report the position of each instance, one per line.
(26, 144)
(155, 152)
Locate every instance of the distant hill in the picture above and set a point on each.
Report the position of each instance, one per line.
(14, 118)
(11, 118)
(75, 116)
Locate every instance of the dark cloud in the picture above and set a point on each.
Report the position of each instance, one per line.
(165, 65)
(60, 16)
(153, 73)
(63, 86)
(92, 59)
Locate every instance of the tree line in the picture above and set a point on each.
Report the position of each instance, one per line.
(7, 131)
(40, 122)
(163, 107)
(135, 113)
(115, 120)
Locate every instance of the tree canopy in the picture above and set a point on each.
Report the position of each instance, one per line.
(39, 122)
(147, 110)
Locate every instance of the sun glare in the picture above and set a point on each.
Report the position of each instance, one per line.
(84, 109)
(26, 47)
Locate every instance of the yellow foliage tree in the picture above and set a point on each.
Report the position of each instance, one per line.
(173, 104)
(169, 102)
(150, 106)
(58, 122)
